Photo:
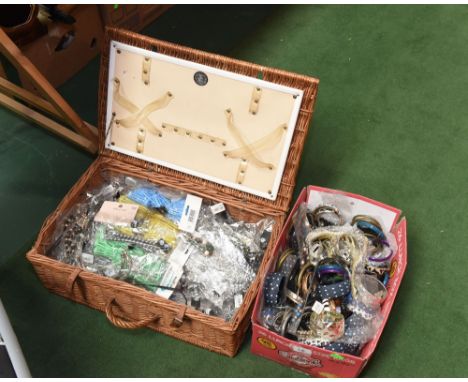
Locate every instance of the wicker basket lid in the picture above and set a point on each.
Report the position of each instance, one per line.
(204, 118)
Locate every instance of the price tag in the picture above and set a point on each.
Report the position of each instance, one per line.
(217, 208)
(170, 279)
(175, 269)
(238, 298)
(180, 254)
(318, 307)
(190, 213)
(299, 349)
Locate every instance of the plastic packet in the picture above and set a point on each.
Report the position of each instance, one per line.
(218, 282)
(170, 203)
(142, 263)
(302, 228)
(144, 248)
(150, 225)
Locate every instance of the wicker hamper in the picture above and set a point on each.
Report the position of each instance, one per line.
(128, 306)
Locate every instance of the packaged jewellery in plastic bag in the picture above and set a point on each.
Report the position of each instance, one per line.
(330, 280)
(171, 243)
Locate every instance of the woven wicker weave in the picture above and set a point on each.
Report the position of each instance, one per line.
(128, 306)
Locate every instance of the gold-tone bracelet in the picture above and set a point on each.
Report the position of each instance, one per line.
(306, 286)
(301, 274)
(283, 257)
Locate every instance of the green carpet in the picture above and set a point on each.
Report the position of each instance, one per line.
(390, 123)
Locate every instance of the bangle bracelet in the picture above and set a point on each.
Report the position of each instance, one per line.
(362, 310)
(336, 290)
(268, 316)
(302, 273)
(368, 219)
(295, 298)
(272, 287)
(284, 324)
(340, 347)
(331, 268)
(306, 283)
(357, 330)
(371, 291)
(320, 221)
(288, 267)
(286, 253)
(386, 278)
(379, 271)
(381, 259)
(370, 229)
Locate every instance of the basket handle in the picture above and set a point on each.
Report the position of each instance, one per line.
(124, 323)
(71, 281)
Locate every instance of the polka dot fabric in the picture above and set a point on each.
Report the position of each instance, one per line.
(341, 347)
(336, 290)
(272, 287)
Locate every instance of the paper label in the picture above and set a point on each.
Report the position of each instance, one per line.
(170, 279)
(217, 208)
(189, 218)
(175, 269)
(300, 349)
(116, 213)
(318, 307)
(238, 298)
(180, 254)
(87, 258)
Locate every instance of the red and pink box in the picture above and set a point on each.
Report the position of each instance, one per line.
(313, 360)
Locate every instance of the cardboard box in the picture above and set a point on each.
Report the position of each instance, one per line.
(313, 360)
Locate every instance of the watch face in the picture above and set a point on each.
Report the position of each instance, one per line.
(200, 78)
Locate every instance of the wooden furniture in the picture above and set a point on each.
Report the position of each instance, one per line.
(40, 109)
(133, 17)
(66, 48)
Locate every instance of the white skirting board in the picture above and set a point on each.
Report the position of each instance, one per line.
(9, 341)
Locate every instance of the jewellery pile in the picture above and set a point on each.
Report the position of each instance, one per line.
(132, 231)
(329, 280)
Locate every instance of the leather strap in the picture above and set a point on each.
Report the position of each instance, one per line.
(137, 118)
(255, 100)
(167, 127)
(131, 107)
(146, 70)
(253, 157)
(242, 170)
(268, 141)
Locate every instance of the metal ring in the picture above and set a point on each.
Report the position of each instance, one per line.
(284, 324)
